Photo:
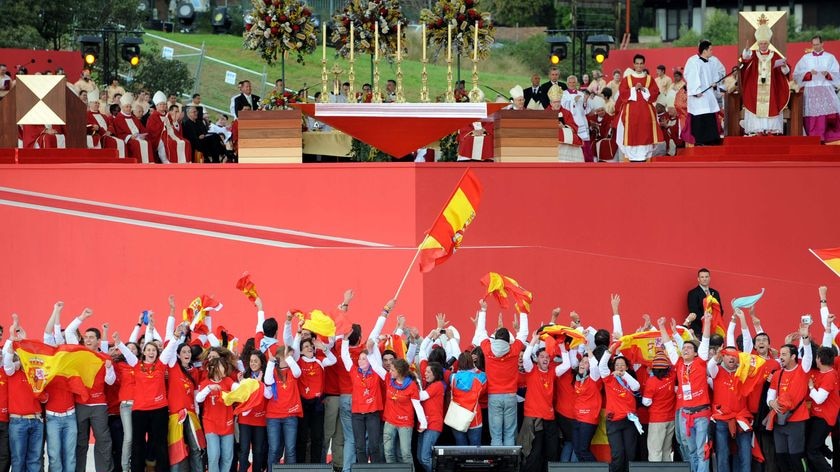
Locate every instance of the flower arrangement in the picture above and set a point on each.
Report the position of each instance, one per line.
(278, 100)
(462, 15)
(364, 14)
(279, 26)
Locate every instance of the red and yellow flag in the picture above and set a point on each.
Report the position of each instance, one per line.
(42, 363)
(446, 233)
(320, 323)
(178, 449)
(640, 348)
(247, 287)
(503, 287)
(249, 395)
(829, 257)
(198, 309)
(561, 334)
(750, 371)
(711, 304)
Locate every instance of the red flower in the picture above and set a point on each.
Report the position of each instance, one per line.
(275, 30)
(295, 28)
(440, 22)
(283, 19)
(248, 26)
(346, 22)
(461, 18)
(469, 3)
(383, 11)
(267, 2)
(307, 12)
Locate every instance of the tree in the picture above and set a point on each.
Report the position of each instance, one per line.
(157, 73)
(523, 13)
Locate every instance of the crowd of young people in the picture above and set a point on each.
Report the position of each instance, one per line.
(158, 401)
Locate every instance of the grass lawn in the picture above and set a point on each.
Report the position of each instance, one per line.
(500, 72)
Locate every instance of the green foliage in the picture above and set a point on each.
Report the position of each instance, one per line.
(523, 13)
(449, 148)
(533, 52)
(156, 73)
(688, 37)
(719, 28)
(827, 33)
(648, 31)
(363, 152)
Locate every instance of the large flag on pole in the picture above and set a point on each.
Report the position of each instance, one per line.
(42, 363)
(829, 257)
(445, 235)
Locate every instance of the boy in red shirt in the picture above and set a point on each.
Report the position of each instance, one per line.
(823, 392)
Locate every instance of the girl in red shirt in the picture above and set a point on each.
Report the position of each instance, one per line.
(402, 402)
(283, 408)
(149, 414)
(587, 382)
(432, 399)
(314, 356)
(183, 381)
(366, 375)
(125, 379)
(218, 417)
(661, 400)
(252, 435)
(468, 386)
(620, 388)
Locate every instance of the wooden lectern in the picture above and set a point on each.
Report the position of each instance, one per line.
(42, 100)
(526, 136)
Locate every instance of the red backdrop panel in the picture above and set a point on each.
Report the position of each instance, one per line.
(571, 234)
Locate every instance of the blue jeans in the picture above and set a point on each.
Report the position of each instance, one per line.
(694, 441)
(425, 444)
(743, 458)
(501, 412)
(582, 434)
(61, 443)
(219, 452)
(390, 435)
(346, 416)
(26, 442)
(471, 438)
(282, 437)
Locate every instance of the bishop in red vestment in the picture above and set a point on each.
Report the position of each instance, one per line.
(637, 128)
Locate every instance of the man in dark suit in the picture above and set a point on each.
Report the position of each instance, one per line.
(553, 79)
(245, 98)
(696, 297)
(533, 92)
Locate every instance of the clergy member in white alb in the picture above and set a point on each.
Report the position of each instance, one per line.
(818, 74)
(702, 73)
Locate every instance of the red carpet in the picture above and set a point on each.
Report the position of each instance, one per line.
(759, 149)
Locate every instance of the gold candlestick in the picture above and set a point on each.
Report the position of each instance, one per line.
(424, 87)
(351, 74)
(324, 77)
(336, 71)
(450, 95)
(475, 93)
(400, 97)
(377, 97)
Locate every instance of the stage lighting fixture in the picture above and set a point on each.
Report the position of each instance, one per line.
(130, 50)
(558, 45)
(186, 16)
(600, 44)
(90, 46)
(220, 20)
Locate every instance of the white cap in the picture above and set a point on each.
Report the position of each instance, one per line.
(127, 99)
(596, 102)
(517, 92)
(534, 105)
(763, 32)
(159, 97)
(93, 96)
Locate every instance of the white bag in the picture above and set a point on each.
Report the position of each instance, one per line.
(458, 417)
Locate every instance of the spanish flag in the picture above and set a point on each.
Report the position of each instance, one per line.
(502, 287)
(561, 334)
(829, 257)
(444, 238)
(42, 363)
(178, 449)
(640, 348)
(750, 372)
(712, 305)
(247, 287)
(198, 309)
(319, 323)
(249, 394)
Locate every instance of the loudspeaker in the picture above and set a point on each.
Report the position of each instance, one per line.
(569, 466)
(302, 467)
(380, 468)
(659, 466)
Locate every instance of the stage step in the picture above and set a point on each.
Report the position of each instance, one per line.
(780, 149)
(751, 158)
(771, 140)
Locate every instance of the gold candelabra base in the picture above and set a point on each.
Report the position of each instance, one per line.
(325, 96)
(424, 85)
(377, 97)
(450, 94)
(400, 96)
(475, 93)
(351, 78)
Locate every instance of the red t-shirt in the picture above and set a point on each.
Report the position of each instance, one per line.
(469, 398)
(22, 401)
(218, 417)
(4, 396)
(367, 391)
(828, 409)
(112, 396)
(96, 393)
(661, 394)
(692, 387)
(502, 372)
(59, 397)
(727, 398)
(433, 407)
(150, 386)
(399, 411)
(311, 378)
(620, 399)
(754, 397)
(285, 401)
(256, 416)
(792, 388)
(181, 392)
(125, 377)
(539, 393)
(564, 390)
(587, 400)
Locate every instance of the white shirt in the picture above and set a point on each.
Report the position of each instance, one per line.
(699, 75)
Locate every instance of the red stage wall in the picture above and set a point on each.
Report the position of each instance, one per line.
(572, 234)
(40, 60)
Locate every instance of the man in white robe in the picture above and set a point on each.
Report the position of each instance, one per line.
(818, 75)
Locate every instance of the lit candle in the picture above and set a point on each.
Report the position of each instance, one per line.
(399, 47)
(352, 40)
(376, 41)
(449, 42)
(475, 44)
(324, 57)
(424, 42)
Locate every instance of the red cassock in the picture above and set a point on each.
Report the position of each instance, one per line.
(568, 128)
(155, 131)
(638, 117)
(125, 127)
(101, 133)
(779, 87)
(476, 148)
(36, 136)
(601, 135)
(177, 148)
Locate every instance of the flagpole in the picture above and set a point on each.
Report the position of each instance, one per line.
(824, 262)
(408, 270)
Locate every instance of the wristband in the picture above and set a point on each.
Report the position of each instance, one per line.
(822, 301)
(344, 306)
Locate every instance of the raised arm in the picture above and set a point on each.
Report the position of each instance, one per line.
(565, 363)
(375, 359)
(130, 358)
(480, 324)
(73, 327)
(170, 320)
(604, 364)
(745, 332)
(522, 332)
(703, 352)
(615, 301)
(288, 337)
(527, 362)
(805, 347)
(169, 356)
(345, 355)
(260, 314)
(594, 371)
(380, 322)
(670, 349)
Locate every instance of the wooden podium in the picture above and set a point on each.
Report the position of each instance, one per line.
(43, 100)
(526, 136)
(270, 137)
